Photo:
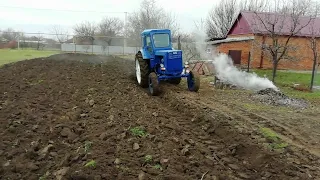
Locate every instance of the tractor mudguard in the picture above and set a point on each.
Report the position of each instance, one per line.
(145, 54)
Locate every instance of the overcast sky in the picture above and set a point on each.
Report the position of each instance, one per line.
(37, 17)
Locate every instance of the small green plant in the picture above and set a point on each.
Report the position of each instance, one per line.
(87, 146)
(44, 177)
(273, 138)
(157, 166)
(148, 159)
(278, 145)
(91, 163)
(138, 131)
(35, 82)
(269, 134)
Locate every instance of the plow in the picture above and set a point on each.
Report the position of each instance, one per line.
(157, 61)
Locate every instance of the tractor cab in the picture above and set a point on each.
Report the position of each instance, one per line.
(154, 40)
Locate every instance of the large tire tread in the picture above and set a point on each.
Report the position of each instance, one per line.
(144, 70)
(196, 79)
(155, 83)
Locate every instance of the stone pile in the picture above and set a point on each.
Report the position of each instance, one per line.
(276, 98)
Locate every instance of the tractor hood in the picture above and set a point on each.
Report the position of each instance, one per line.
(171, 54)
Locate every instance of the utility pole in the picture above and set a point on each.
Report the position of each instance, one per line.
(18, 41)
(125, 31)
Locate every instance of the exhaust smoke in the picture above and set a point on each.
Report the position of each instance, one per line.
(227, 72)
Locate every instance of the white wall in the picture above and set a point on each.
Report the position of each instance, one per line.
(97, 49)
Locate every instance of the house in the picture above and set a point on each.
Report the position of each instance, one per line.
(4, 43)
(248, 37)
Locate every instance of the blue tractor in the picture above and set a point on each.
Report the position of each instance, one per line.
(157, 61)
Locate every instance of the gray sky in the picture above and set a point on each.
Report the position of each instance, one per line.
(37, 20)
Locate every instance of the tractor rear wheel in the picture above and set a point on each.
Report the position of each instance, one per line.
(154, 86)
(142, 70)
(193, 81)
(175, 81)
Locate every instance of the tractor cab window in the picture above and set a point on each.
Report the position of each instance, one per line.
(148, 41)
(161, 40)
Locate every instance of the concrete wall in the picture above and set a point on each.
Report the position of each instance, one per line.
(97, 49)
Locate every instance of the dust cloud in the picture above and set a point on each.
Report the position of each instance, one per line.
(227, 72)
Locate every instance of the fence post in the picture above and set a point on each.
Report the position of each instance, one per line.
(249, 58)
(19, 41)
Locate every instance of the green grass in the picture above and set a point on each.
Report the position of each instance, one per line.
(14, 55)
(285, 81)
(300, 94)
(289, 78)
(273, 138)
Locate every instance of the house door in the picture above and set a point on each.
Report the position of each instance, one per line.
(235, 56)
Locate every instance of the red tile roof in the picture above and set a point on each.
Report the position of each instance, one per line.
(283, 24)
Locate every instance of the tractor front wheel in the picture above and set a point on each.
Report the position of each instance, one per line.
(142, 70)
(193, 81)
(154, 86)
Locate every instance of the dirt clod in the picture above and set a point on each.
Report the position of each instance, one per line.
(117, 161)
(136, 146)
(61, 173)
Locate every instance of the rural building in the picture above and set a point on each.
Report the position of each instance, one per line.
(4, 43)
(248, 36)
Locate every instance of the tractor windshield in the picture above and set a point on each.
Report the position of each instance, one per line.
(161, 40)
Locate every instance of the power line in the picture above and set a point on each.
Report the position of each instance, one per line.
(40, 9)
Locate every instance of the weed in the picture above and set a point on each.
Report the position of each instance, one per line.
(35, 82)
(87, 146)
(148, 159)
(158, 166)
(91, 163)
(278, 145)
(273, 138)
(138, 131)
(44, 177)
(269, 134)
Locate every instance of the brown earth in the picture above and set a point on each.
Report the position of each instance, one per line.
(59, 113)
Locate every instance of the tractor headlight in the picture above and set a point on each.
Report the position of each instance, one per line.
(162, 67)
(186, 64)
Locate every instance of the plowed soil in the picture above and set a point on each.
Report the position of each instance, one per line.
(60, 114)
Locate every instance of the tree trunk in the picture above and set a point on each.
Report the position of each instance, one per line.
(274, 69)
(179, 43)
(313, 70)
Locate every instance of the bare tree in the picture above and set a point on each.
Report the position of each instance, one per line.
(188, 47)
(150, 15)
(60, 33)
(286, 21)
(314, 46)
(10, 34)
(109, 28)
(221, 16)
(85, 31)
